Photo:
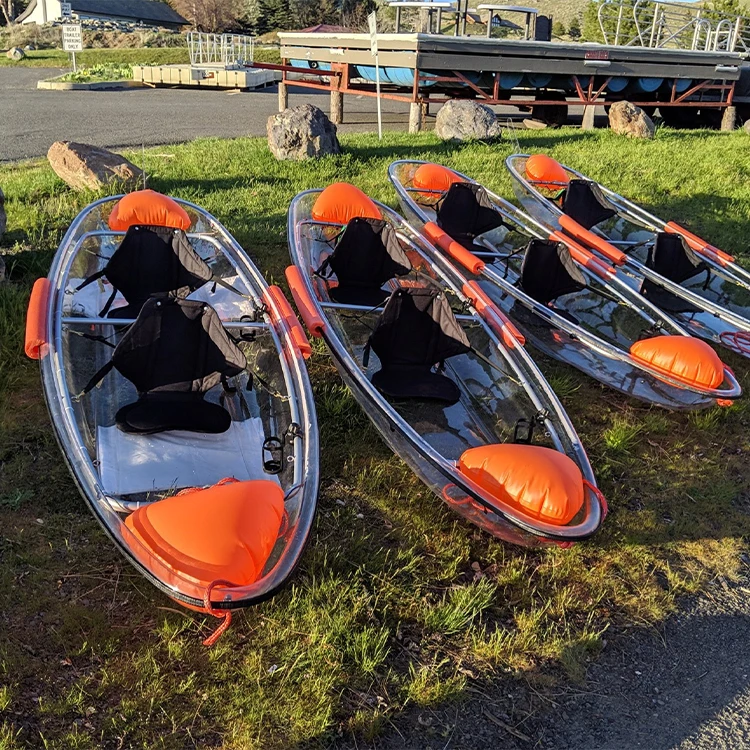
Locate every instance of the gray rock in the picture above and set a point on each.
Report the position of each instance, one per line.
(15, 53)
(302, 132)
(463, 120)
(89, 167)
(29, 48)
(627, 119)
(746, 126)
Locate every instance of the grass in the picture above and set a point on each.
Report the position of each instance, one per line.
(397, 605)
(99, 73)
(89, 58)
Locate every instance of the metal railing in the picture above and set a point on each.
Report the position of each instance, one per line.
(226, 50)
(650, 23)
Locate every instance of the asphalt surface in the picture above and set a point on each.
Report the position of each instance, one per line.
(32, 120)
(684, 685)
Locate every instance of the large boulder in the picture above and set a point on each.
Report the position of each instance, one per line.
(302, 132)
(463, 120)
(15, 53)
(627, 119)
(82, 166)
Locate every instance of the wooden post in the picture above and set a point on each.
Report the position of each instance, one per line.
(415, 117)
(283, 96)
(729, 118)
(337, 107)
(588, 117)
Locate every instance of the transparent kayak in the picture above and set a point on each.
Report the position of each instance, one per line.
(170, 498)
(700, 286)
(599, 324)
(500, 391)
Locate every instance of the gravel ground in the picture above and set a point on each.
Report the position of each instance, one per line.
(682, 686)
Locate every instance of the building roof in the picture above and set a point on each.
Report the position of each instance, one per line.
(149, 11)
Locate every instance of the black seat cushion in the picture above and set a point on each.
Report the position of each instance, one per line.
(416, 382)
(159, 412)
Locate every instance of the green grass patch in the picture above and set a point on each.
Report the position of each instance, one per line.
(99, 74)
(91, 58)
(396, 602)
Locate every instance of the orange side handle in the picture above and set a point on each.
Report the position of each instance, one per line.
(457, 251)
(592, 240)
(584, 257)
(314, 323)
(290, 319)
(37, 340)
(700, 246)
(493, 315)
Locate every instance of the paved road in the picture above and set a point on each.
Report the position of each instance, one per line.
(31, 120)
(684, 685)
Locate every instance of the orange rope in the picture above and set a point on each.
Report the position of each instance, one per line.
(225, 615)
(600, 496)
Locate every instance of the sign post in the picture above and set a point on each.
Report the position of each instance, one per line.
(372, 21)
(72, 40)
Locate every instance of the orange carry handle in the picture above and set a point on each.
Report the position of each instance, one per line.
(583, 256)
(314, 323)
(608, 250)
(700, 246)
(458, 252)
(36, 320)
(493, 315)
(290, 319)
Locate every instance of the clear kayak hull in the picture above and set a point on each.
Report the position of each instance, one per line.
(119, 473)
(592, 329)
(499, 385)
(716, 304)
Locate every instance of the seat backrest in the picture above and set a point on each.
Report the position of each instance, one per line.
(467, 211)
(366, 255)
(417, 328)
(177, 345)
(548, 271)
(153, 260)
(585, 203)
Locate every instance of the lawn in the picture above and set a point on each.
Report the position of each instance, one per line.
(398, 607)
(56, 58)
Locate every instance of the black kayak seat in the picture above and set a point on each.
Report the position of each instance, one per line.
(586, 204)
(417, 330)
(548, 271)
(151, 260)
(466, 212)
(671, 257)
(175, 352)
(366, 256)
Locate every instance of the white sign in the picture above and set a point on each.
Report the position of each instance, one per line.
(66, 10)
(72, 38)
(372, 22)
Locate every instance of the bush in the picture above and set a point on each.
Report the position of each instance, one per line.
(558, 29)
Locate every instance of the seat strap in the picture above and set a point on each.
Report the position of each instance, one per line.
(97, 378)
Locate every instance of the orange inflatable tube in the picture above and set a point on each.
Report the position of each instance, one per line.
(314, 323)
(493, 315)
(584, 256)
(36, 320)
(457, 251)
(592, 240)
(700, 246)
(290, 319)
